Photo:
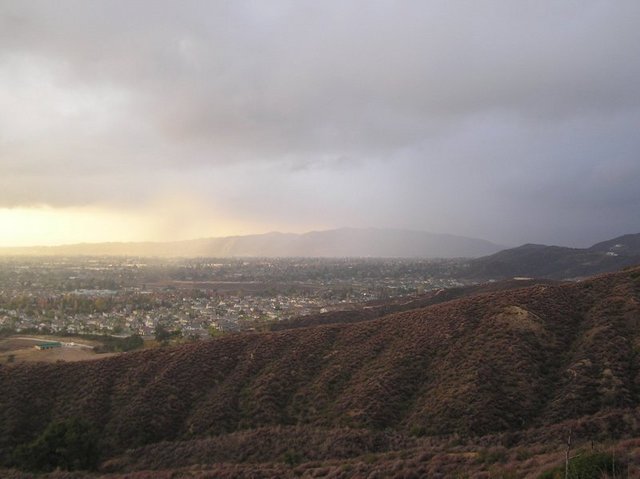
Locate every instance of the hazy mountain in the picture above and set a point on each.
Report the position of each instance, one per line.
(345, 242)
(541, 261)
(523, 363)
(626, 245)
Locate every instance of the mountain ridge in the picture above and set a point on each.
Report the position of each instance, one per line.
(342, 242)
(557, 262)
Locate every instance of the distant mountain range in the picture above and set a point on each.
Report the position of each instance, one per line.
(558, 262)
(491, 261)
(344, 242)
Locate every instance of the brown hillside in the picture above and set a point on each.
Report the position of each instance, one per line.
(380, 308)
(494, 362)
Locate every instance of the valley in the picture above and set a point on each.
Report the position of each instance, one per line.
(460, 385)
(319, 239)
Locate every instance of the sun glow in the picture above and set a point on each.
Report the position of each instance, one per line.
(46, 226)
(52, 226)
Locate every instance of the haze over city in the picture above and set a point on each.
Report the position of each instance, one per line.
(509, 121)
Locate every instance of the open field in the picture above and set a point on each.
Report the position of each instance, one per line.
(234, 286)
(18, 349)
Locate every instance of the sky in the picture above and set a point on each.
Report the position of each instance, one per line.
(127, 120)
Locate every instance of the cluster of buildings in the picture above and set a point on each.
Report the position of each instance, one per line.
(124, 297)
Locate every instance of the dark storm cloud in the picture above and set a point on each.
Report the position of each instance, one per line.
(468, 117)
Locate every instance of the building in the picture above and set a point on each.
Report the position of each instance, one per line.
(48, 345)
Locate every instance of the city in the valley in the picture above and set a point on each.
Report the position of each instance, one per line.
(196, 298)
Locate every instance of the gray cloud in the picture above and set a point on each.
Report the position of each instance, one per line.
(467, 117)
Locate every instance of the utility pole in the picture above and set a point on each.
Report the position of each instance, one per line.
(566, 456)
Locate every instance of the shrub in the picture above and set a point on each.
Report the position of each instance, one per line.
(587, 466)
(69, 445)
(491, 456)
(292, 458)
(523, 454)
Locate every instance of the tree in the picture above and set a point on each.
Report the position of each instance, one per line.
(214, 332)
(162, 334)
(70, 444)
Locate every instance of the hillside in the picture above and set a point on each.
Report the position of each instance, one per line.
(557, 262)
(626, 245)
(380, 308)
(345, 242)
(524, 362)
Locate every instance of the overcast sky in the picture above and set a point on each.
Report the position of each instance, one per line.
(513, 121)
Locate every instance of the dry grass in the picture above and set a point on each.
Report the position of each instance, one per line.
(21, 349)
(31, 354)
(447, 369)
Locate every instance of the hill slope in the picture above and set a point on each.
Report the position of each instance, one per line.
(494, 362)
(345, 242)
(380, 308)
(558, 262)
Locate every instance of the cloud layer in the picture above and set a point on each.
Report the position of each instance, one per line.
(514, 121)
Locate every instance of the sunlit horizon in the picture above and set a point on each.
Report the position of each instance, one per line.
(47, 226)
(139, 121)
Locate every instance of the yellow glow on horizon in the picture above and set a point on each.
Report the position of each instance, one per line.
(45, 226)
(168, 220)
